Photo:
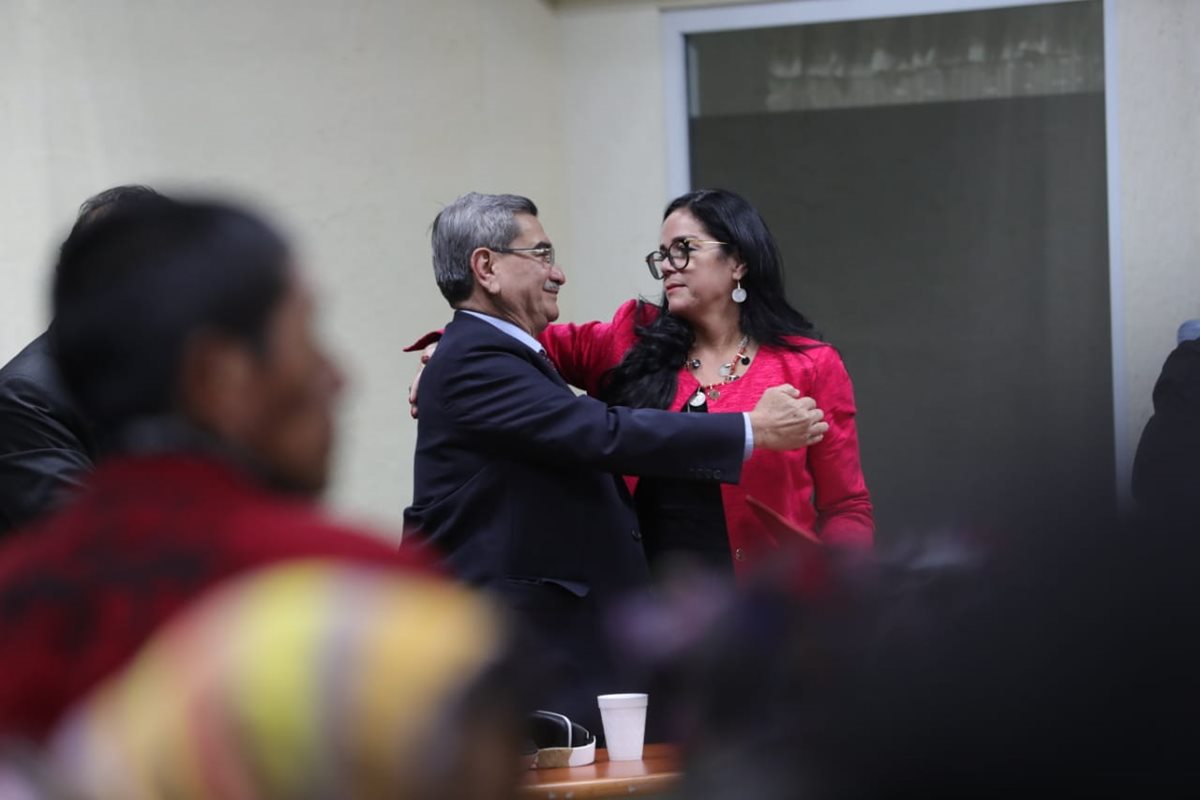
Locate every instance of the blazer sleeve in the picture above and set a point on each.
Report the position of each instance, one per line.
(844, 513)
(500, 401)
(584, 352)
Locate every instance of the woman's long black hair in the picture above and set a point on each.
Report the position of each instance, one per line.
(646, 376)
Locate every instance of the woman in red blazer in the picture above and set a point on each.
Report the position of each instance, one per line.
(721, 335)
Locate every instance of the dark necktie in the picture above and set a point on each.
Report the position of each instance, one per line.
(550, 364)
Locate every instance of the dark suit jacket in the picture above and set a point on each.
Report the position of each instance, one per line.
(45, 445)
(517, 485)
(1166, 470)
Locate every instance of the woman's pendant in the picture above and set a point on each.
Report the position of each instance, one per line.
(697, 399)
(713, 394)
(726, 370)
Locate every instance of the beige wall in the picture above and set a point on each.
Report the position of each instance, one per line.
(615, 144)
(353, 121)
(616, 167)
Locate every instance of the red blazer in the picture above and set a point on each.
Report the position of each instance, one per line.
(819, 490)
(82, 591)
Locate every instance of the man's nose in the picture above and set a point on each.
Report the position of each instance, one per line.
(557, 275)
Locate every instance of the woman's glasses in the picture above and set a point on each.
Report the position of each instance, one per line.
(678, 255)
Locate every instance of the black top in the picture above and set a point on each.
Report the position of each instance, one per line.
(683, 520)
(1166, 470)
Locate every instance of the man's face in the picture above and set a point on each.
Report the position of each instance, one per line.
(292, 395)
(527, 287)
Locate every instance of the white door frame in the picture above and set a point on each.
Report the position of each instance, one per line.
(678, 23)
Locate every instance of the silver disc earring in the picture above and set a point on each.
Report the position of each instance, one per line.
(739, 294)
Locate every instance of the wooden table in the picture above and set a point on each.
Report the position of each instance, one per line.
(657, 773)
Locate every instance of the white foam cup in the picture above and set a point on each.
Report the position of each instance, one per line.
(624, 717)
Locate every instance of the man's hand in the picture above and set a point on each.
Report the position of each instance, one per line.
(783, 420)
(412, 388)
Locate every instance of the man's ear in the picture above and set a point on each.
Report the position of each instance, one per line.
(483, 265)
(215, 391)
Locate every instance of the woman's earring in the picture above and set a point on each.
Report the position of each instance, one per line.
(739, 294)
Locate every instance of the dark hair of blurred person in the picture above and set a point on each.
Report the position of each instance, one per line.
(190, 320)
(185, 331)
(1062, 659)
(46, 444)
(99, 205)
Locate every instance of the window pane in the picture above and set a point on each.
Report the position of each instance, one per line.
(938, 188)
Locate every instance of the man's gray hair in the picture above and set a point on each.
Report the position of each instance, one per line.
(470, 222)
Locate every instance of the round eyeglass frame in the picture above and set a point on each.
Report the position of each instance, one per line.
(678, 254)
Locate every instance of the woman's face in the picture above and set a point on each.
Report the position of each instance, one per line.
(704, 286)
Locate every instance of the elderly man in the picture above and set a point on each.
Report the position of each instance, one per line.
(517, 479)
(185, 333)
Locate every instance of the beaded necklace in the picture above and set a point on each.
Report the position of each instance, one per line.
(727, 371)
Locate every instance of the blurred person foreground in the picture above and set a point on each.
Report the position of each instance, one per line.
(1058, 659)
(185, 333)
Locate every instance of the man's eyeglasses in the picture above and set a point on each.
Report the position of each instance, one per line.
(678, 255)
(543, 253)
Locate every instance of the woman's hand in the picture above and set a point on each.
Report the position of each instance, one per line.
(412, 387)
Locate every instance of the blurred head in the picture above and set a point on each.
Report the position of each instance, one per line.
(193, 312)
(491, 255)
(744, 251)
(314, 680)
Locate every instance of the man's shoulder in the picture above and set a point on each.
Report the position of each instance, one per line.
(32, 379)
(29, 362)
(42, 432)
(467, 337)
(468, 330)
(35, 361)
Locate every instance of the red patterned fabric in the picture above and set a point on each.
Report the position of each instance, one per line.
(82, 591)
(819, 489)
